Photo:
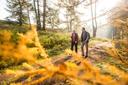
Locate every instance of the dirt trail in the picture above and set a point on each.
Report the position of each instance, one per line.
(96, 53)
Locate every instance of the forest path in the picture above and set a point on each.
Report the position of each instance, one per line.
(97, 52)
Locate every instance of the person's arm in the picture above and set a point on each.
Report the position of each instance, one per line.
(81, 36)
(77, 38)
(87, 37)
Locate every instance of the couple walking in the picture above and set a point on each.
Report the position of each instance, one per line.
(85, 36)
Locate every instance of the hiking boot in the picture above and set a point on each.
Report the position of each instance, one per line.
(82, 55)
(85, 56)
(78, 63)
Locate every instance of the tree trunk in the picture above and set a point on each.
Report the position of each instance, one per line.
(94, 32)
(113, 34)
(34, 3)
(52, 26)
(20, 14)
(95, 21)
(28, 13)
(44, 14)
(38, 12)
(93, 27)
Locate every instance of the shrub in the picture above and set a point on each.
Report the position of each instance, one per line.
(54, 43)
(16, 48)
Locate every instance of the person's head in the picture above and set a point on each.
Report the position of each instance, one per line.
(74, 31)
(83, 29)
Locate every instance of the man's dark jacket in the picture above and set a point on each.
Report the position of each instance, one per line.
(85, 36)
(74, 38)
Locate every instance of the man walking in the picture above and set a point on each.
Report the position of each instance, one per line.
(74, 40)
(85, 36)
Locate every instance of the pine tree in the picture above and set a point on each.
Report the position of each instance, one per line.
(17, 9)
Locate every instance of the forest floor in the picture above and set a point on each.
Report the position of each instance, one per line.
(98, 57)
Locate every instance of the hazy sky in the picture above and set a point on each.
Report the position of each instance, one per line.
(3, 12)
(102, 5)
